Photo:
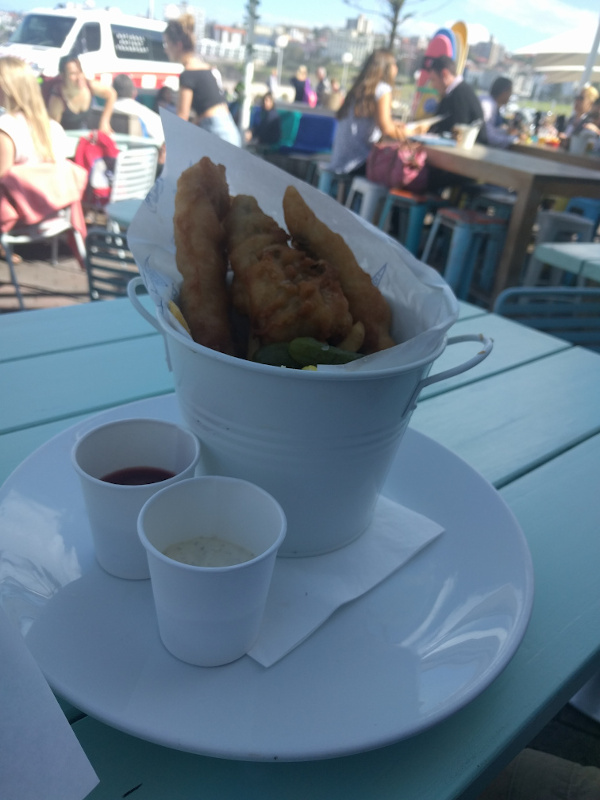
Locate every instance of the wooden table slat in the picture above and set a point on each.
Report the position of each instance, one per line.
(30, 333)
(524, 416)
(513, 345)
(65, 384)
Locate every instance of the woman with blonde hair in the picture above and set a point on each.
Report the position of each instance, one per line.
(199, 91)
(27, 135)
(366, 114)
(582, 106)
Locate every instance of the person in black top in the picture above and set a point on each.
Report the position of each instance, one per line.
(459, 104)
(301, 84)
(71, 96)
(199, 92)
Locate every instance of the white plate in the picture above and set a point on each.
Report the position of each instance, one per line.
(405, 656)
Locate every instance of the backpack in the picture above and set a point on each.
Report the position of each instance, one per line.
(97, 154)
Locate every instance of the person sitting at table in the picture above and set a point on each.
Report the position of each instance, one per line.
(127, 104)
(458, 105)
(582, 106)
(29, 139)
(592, 122)
(267, 129)
(72, 94)
(198, 89)
(27, 134)
(366, 115)
(496, 127)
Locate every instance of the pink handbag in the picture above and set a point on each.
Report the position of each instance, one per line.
(398, 165)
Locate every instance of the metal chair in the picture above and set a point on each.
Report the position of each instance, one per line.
(134, 176)
(570, 313)
(556, 226)
(109, 263)
(49, 229)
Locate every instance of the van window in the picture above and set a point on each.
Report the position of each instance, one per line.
(88, 39)
(138, 43)
(43, 30)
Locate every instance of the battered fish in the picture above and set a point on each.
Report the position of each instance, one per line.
(248, 232)
(291, 295)
(284, 292)
(367, 304)
(202, 202)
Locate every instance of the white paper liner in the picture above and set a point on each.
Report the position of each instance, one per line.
(423, 305)
(39, 753)
(305, 592)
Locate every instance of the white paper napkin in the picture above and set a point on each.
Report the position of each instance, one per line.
(39, 753)
(306, 591)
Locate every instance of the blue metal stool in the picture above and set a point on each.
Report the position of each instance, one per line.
(364, 197)
(588, 207)
(333, 183)
(494, 203)
(413, 210)
(474, 237)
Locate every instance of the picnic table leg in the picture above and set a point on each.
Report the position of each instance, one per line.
(517, 237)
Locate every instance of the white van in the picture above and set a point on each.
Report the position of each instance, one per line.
(107, 43)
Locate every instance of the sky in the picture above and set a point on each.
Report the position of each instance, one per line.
(512, 23)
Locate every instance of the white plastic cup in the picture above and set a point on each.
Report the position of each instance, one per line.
(113, 508)
(209, 616)
(466, 135)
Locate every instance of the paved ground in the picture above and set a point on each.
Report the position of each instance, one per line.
(42, 284)
(570, 735)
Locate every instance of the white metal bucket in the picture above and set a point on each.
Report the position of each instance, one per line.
(320, 442)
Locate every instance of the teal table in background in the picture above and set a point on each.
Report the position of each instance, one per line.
(528, 418)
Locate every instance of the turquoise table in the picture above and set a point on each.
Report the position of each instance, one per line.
(580, 258)
(528, 418)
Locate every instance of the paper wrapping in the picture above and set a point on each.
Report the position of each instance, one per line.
(423, 305)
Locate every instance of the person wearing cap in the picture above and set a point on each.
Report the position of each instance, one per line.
(459, 105)
(497, 131)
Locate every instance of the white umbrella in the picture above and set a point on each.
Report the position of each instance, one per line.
(573, 52)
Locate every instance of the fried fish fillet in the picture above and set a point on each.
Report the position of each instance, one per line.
(201, 204)
(367, 304)
(291, 295)
(285, 293)
(248, 232)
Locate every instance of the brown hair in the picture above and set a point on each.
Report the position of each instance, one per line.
(181, 31)
(22, 94)
(376, 68)
(65, 61)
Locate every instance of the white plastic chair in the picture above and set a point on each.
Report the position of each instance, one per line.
(134, 176)
(49, 229)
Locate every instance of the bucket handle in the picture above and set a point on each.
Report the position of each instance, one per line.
(132, 287)
(487, 345)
